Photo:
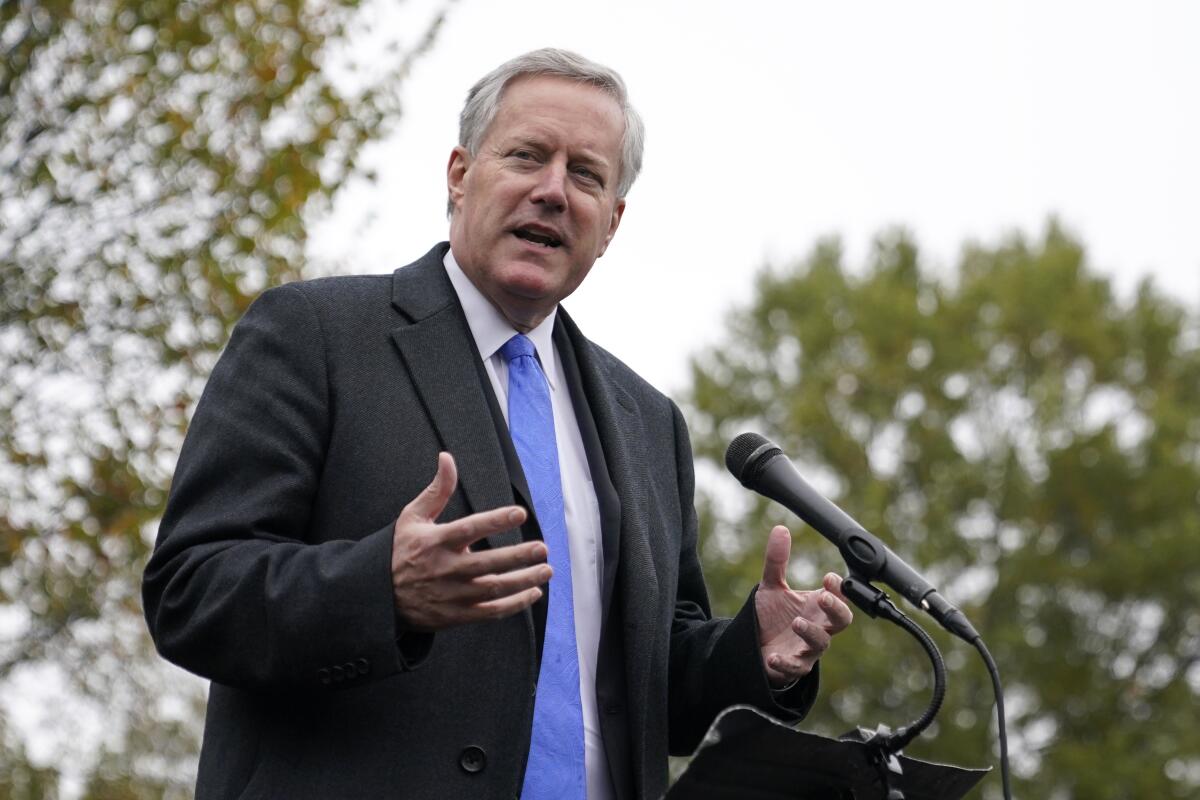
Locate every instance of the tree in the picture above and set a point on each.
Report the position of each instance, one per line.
(162, 160)
(1028, 439)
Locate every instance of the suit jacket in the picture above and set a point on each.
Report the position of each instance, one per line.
(271, 574)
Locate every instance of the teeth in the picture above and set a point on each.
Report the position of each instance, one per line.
(537, 238)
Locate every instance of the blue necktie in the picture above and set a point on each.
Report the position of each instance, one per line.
(555, 770)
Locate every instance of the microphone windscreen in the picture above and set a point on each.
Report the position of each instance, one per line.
(747, 450)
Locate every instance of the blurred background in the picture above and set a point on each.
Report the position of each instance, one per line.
(945, 254)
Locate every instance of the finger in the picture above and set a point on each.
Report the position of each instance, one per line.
(497, 586)
(815, 636)
(836, 611)
(505, 606)
(779, 551)
(790, 666)
(503, 559)
(467, 530)
(432, 500)
(833, 583)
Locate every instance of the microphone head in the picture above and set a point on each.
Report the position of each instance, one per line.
(747, 454)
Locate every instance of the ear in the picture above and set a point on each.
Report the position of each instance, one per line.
(456, 173)
(618, 210)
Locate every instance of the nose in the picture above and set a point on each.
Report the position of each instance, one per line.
(550, 190)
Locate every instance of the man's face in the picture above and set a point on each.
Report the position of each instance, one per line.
(536, 207)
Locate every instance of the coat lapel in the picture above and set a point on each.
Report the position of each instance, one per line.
(621, 434)
(619, 427)
(437, 348)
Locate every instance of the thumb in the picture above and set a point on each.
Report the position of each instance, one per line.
(433, 498)
(779, 552)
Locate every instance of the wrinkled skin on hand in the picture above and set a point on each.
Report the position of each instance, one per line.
(439, 582)
(795, 627)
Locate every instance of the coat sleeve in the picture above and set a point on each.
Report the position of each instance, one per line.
(239, 589)
(715, 663)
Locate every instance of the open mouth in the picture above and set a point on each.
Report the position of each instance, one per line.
(545, 240)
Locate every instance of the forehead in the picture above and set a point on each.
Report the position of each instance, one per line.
(546, 105)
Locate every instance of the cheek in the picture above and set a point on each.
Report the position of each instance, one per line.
(492, 217)
(482, 222)
(600, 233)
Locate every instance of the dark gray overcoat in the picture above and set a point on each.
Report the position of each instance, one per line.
(271, 574)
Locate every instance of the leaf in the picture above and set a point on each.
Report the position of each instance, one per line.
(1031, 442)
(162, 161)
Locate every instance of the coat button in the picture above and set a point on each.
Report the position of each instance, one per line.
(362, 666)
(338, 675)
(323, 676)
(350, 670)
(472, 759)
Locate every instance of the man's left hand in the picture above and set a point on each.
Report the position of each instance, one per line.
(795, 628)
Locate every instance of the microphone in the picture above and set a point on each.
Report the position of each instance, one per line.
(760, 465)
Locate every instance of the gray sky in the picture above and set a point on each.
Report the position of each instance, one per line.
(771, 124)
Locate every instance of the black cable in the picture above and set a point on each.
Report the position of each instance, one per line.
(875, 602)
(900, 739)
(999, 692)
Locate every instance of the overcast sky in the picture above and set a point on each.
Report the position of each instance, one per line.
(772, 124)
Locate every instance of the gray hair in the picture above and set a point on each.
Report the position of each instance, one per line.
(483, 102)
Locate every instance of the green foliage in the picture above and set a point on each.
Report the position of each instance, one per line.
(161, 160)
(19, 778)
(1033, 443)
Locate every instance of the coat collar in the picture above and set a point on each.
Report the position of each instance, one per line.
(436, 346)
(635, 584)
(622, 436)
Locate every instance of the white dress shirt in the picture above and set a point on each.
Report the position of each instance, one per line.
(490, 331)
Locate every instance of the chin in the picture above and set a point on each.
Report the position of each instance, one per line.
(530, 279)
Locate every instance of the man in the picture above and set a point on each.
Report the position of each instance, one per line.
(412, 508)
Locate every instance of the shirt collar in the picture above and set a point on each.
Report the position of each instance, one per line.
(490, 329)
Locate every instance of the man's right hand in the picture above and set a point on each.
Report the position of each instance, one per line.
(439, 582)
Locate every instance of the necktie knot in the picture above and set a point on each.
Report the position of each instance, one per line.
(517, 346)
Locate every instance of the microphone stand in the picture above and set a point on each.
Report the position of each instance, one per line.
(760, 465)
(883, 743)
(747, 753)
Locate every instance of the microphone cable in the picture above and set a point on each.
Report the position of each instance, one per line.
(755, 461)
(876, 603)
(997, 690)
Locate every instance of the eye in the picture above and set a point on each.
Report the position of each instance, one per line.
(587, 174)
(523, 155)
